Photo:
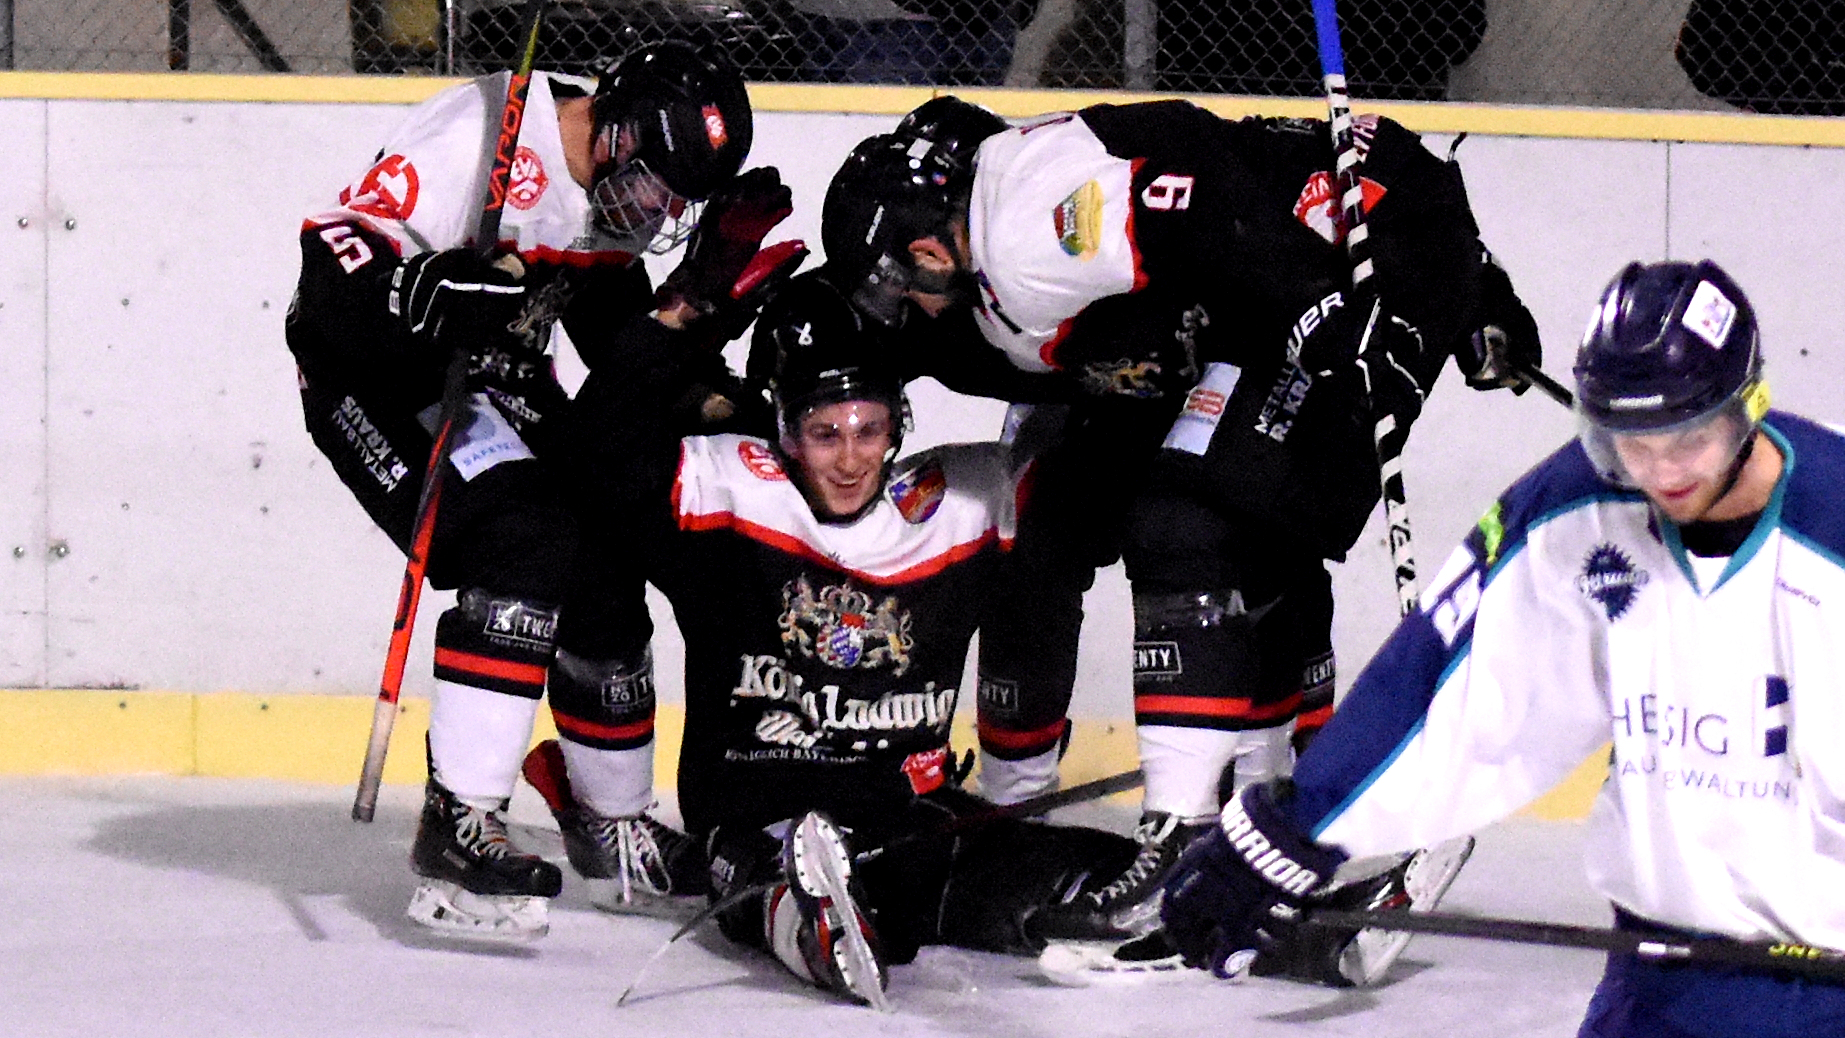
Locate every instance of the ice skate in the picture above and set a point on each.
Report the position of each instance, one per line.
(475, 883)
(632, 864)
(1129, 906)
(814, 924)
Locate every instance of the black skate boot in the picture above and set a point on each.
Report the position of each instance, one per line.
(813, 920)
(476, 883)
(632, 862)
(1129, 905)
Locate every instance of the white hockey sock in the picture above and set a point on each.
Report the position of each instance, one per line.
(477, 740)
(612, 783)
(1184, 764)
(1010, 781)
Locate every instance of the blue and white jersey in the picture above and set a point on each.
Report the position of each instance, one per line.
(1571, 618)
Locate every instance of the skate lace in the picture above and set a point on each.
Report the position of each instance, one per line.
(483, 833)
(634, 844)
(1152, 834)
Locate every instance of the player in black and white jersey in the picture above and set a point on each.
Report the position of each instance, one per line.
(1186, 274)
(827, 595)
(394, 284)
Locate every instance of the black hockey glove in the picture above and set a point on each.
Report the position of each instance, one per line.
(1390, 352)
(729, 233)
(1505, 344)
(459, 300)
(1238, 888)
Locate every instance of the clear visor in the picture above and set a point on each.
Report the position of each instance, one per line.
(635, 203)
(1703, 448)
(880, 296)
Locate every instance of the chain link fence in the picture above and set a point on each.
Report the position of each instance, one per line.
(1756, 55)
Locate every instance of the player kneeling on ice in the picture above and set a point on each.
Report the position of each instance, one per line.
(1662, 582)
(395, 285)
(828, 595)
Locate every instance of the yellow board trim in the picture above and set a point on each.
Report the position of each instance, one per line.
(321, 739)
(1426, 117)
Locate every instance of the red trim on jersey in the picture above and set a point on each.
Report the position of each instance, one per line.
(488, 667)
(1047, 352)
(611, 732)
(1140, 275)
(568, 257)
(1007, 739)
(789, 544)
(1200, 706)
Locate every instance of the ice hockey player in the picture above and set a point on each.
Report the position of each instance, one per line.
(828, 595)
(1661, 581)
(394, 284)
(1156, 253)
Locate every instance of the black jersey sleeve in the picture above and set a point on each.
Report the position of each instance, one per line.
(341, 317)
(951, 350)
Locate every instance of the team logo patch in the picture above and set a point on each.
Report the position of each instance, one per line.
(918, 492)
(1317, 206)
(840, 627)
(998, 696)
(510, 620)
(1610, 578)
(1157, 660)
(528, 181)
(1122, 377)
(927, 770)
(761, 461)
(1710, 314)
(1078, 221)
(715, 131)
(387, 191)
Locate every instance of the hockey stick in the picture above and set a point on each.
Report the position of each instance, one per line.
(454, 383)
(1802, 959)
(1550, 387)
(1078, 794)
(1350, 214)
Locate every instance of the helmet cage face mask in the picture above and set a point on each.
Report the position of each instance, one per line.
(634, 203)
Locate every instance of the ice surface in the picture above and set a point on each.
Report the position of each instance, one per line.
(196, 908)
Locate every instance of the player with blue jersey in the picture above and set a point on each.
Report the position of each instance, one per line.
(1662, 582)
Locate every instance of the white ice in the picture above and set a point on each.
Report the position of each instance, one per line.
(198, 908)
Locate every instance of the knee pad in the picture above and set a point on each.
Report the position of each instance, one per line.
(498, 642)
(604, 704)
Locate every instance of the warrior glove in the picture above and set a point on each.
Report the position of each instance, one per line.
(729, 233)
(1505, 343)
(1238, 889)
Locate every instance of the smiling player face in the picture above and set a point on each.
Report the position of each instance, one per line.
(839, 449)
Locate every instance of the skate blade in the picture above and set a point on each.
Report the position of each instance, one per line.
(1430, 873)
(824, 874)
(453, 912)
(1090, 965)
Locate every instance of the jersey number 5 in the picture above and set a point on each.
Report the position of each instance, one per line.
(352, 250)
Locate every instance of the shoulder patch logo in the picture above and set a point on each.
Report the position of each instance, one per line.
(918, 492)
(528, 181)
(388, 190)
(1610, 578)
(761, 461)
(839, 626)
(1078, 221)
(1316, 206)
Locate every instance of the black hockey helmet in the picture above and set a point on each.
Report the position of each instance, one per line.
(892, 190)
(691, 125)
(958, 126)
(814, 348)
(1669, 347)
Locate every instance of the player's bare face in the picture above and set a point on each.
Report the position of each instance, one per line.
(840, 449)
(1683, 471)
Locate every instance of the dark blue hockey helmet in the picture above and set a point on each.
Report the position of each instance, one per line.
(1670, 347)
